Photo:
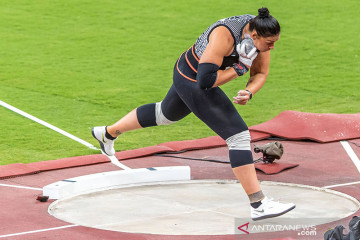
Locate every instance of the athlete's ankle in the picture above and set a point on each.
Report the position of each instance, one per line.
(256, 198)
(108, 135)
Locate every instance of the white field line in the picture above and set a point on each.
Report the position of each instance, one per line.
(23, 187)
(343, 184)
(37, 231)
(351, 154)
(113, 159)
(355, 160)
(56, 129)
(116, 162)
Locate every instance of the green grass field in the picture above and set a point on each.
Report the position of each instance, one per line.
(79, 64)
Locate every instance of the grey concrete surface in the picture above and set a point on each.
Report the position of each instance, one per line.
(199, 207)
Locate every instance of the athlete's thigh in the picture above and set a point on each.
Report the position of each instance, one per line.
(213, 107)
(173, 106)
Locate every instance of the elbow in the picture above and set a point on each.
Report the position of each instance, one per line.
(204, 83)
(206, 75)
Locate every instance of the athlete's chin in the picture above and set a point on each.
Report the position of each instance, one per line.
(264, 50)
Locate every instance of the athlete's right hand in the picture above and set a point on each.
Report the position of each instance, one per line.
(247, 51)
(242, 97)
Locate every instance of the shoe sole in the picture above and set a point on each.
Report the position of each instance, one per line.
(101, 144)
(273, 215)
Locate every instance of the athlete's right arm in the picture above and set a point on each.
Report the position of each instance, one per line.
(221, 43)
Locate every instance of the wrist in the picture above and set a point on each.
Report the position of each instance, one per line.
(240, 68)
(246, 61)
(250, 93)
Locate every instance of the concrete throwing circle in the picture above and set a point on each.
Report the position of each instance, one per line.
(198, 207)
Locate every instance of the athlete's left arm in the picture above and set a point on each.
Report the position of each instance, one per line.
(258, 74)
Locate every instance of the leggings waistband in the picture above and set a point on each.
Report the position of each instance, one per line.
(187, 64)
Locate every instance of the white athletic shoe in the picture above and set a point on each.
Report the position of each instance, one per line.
(269, 209)
(107, 145)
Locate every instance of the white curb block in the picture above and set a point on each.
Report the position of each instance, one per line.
(106, 180)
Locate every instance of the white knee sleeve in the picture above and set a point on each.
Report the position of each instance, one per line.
(160, 118)
(239, 141)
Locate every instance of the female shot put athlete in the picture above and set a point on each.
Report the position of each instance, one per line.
(225, 51)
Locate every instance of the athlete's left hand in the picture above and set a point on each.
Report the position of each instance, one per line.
(242, 98)
(247, 51)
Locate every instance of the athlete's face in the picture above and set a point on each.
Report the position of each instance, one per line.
(264, 44)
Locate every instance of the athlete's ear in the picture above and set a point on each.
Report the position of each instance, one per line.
(254, 34)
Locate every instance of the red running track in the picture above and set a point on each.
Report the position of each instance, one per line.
(23, 217)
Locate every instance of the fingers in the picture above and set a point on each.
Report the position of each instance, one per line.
(253, 54)
(243, 93)
(242, 98)
(240, 102)
(242, 50)
(247, 51)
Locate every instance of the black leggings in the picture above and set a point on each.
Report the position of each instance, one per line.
(211, 106)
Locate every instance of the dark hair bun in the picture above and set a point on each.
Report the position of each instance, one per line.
(263, 12)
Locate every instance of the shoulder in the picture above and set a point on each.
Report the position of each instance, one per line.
(221, 33)
(222, 39)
